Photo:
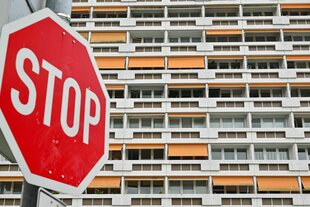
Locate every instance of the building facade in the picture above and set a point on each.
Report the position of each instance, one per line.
(209, 103)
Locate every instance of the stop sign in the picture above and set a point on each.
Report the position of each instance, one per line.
(53, 104)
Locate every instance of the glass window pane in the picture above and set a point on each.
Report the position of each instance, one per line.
(302, 154)
(283, 154)
(158, 94)
(306, 123)
(174, 94)
(132, 187)
(145, 187)
(267, 123)
(174, 123)
(280, 123)
(158, 187)
(229, 154)
(241, 154)
(239, 123)
(146, 154)
(135, 94)
(158, 154)
(117, 123)
(133, 123)
(227, 123)
(259, 154)
(214, 123)
(271, 154)
(186, 93)
(188, 187)
(256, 123)
(146, 123)
(147, 94)
(186, 122)
(133, 154)
(174, 187)
(199, 122)
(158, 123)
(216, 154)
(201, 186)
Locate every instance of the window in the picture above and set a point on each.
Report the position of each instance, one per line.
(216, 154)
(145, 93)
(145, 187)
(225, 93)
(265, 93)
(196, 122)
(146, 123)
(116, 123)
(271, 154)
(302, 154)
(229, 154)
(241, 154)
(259, 154)
(116, 93)
(145, 154)
(186, 93)
(302, 122)
(268, 123)
(227, 123)
(188, 187)
(300, 92)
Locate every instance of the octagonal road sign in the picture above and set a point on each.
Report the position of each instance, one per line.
(54, 107)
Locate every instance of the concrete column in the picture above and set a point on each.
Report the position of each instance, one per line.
(123, 186)
(247, 90)
(124, 152)
(255, 184)
(210, 185)
(208, 123)
(165, 12)
(251, 152)
(128, 12)
(126, 92)
(290, 121)
(203, 36)
(284, 62)
(166, 121)
(206, 91)
(245, 61)
(125, 120)
(278, 11)
(240, 11)
(288, 90)
(166, 184)
(299, 184)
(249, 120)
(294, 152)
(203, 13)
(128, 37)
(281, 35)
(166, 37)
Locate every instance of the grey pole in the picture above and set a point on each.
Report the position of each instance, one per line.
(29, 195)
(63, 9)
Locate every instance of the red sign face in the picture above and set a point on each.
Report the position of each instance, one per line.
(53, 104)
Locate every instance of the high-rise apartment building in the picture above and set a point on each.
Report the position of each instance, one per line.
(210, 103)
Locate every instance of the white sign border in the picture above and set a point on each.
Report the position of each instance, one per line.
(32, 178)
